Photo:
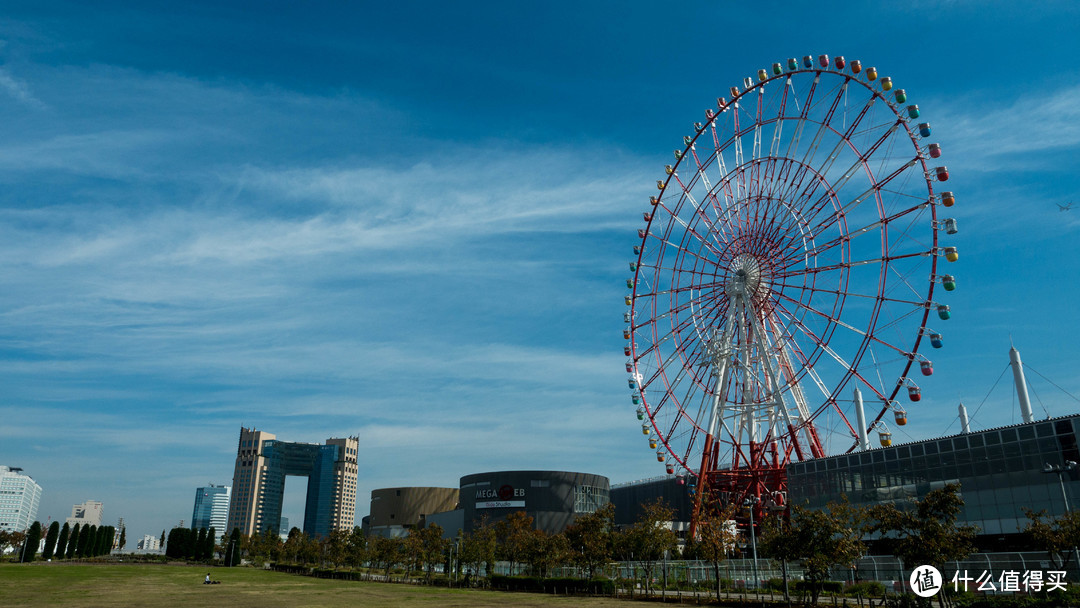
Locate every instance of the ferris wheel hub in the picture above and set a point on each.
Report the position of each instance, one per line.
(745, 276)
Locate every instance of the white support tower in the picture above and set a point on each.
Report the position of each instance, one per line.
(965, 427)
(1021, 385)
(864, 441)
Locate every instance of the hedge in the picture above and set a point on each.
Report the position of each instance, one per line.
(566, 586)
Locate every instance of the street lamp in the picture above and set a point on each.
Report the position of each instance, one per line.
(751, 502)
(1060, 470)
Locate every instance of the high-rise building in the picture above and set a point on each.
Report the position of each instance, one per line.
(20, 496)
(88, 513)
(211, 508)
(262, 462)
(150, 543)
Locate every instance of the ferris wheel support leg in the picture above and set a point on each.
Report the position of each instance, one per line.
(703, 484)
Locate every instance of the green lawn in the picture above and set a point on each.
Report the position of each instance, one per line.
(83, 586)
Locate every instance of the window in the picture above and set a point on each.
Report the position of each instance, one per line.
(589, 498)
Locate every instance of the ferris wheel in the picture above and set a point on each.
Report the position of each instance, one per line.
(785, 276)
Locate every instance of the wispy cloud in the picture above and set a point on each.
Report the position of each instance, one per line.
(18, 90)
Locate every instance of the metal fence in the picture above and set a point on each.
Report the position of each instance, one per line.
(749, 573)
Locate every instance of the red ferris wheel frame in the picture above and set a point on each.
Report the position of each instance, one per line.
(757, 274)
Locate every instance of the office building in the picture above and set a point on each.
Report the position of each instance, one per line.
(1000, 472)
(211, 508)
(263, 462)
(20, 496)
(149, 543)
(87, 514)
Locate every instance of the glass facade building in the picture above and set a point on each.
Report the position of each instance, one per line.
(211, 508)
(1000, 472)
(20, 497)
(258, 490)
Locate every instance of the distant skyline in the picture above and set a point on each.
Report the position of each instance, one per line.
(411, 223)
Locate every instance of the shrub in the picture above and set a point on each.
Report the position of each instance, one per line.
(866, 589)
(563, 586)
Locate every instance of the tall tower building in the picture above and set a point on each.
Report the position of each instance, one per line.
(88, 513)
(20, 496)
(263, 462)
(211, 508)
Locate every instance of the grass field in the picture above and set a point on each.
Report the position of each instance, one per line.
(84, 586)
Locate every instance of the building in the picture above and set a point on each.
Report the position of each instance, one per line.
(87, 514)
(1000, 472)
(554, 499)
(630, 499)
(263, 462)
(20, 497)
(149, 543)
(211, 508)
(395, 510)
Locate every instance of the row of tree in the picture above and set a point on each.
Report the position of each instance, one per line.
(590, 543)
(69, 542)
(821, 541)
(189, 543)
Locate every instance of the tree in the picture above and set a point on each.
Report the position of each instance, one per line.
(30, 545)
(73, 542)
(50, 541)
(478, 549)
(432, 548)
(1058, 537)
(102, 542)
(356, 548)
(123, 538)
(209, 543)
(12, 540)
(337, 547)
(162, 540)
(545, 551)
(232, 551)
(650, 538)
(512, 535)
(387, 552)
(87, 532)
(293, 551)
(589, 539)
(716, 538)
(928, 533)
(819, 539)
(61, 543)
(196, 551)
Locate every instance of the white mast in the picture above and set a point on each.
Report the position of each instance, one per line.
(965, 428)
(864, 442)
(1021, 385)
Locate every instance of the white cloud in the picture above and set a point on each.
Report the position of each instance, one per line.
(18, 90)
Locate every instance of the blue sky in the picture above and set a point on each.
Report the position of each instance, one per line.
(411, 223)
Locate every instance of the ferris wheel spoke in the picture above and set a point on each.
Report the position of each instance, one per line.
(689, 231)
(882, 260)
(850, 235)
(709, 192)
(778, 124)
(700, 212)
(851, 171)
(823, 126)
(803, 115)
(861, 333)
(757, 123)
